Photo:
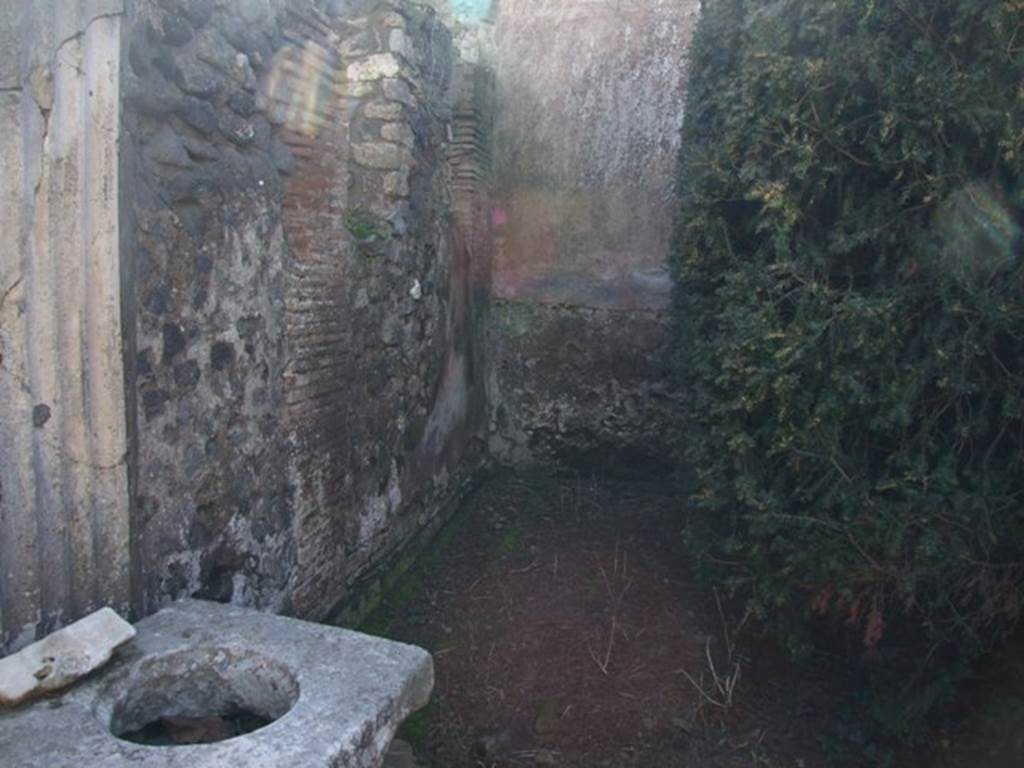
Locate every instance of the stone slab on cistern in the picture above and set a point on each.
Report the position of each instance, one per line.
(60, 659)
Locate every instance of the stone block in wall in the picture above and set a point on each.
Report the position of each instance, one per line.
(374, 67)
(302, 395)
(397, 184)
(381, 156)
(384, 111)
(398, 133)
(398, 90)
(376, 410)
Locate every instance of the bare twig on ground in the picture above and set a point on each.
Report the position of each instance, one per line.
(527, 569)
(603, 664)
(720, 693)
(722, 687)
(506, 607)
(615, 599)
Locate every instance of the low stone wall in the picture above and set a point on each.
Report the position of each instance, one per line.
(581, 388)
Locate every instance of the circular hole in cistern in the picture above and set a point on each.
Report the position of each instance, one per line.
(202, 696)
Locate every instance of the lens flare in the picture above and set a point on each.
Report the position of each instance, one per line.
(301, 88)
(980, 234)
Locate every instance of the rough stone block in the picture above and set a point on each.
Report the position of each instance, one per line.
(198, 114)
(398, 133)
(358, 89)
(167, 148)
(62, 658)
(211, 47)
(175, 30)
(388, 157)
(375, 67)
(196, 77)
(396, 184)
(398, 90)
(383, 111)
(253, 11)
(398, 43)
(238, 129)
(360, 44)
(243, 103)
(198, 12)
(157, 96)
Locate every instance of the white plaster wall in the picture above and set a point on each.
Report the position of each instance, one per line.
(64, 533)
(591, 95)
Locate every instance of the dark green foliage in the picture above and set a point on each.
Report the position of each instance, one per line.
(850, 308)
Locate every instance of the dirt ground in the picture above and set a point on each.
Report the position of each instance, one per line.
(567, 631)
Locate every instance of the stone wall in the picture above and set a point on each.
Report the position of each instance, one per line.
(408, 403)
(249, 348)
(300, 357)
(207, 347)
(590, 104)
(242, 343)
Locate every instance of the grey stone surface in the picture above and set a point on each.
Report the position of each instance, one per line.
(337, 696)
(380, 156)
(398, 90)
(374, 67)
(385, 111)
(9, 43)
(398, 133)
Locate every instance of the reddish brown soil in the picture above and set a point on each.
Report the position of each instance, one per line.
(562, 620)
(567, 631)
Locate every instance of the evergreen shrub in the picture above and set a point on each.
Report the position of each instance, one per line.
(849, 308)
